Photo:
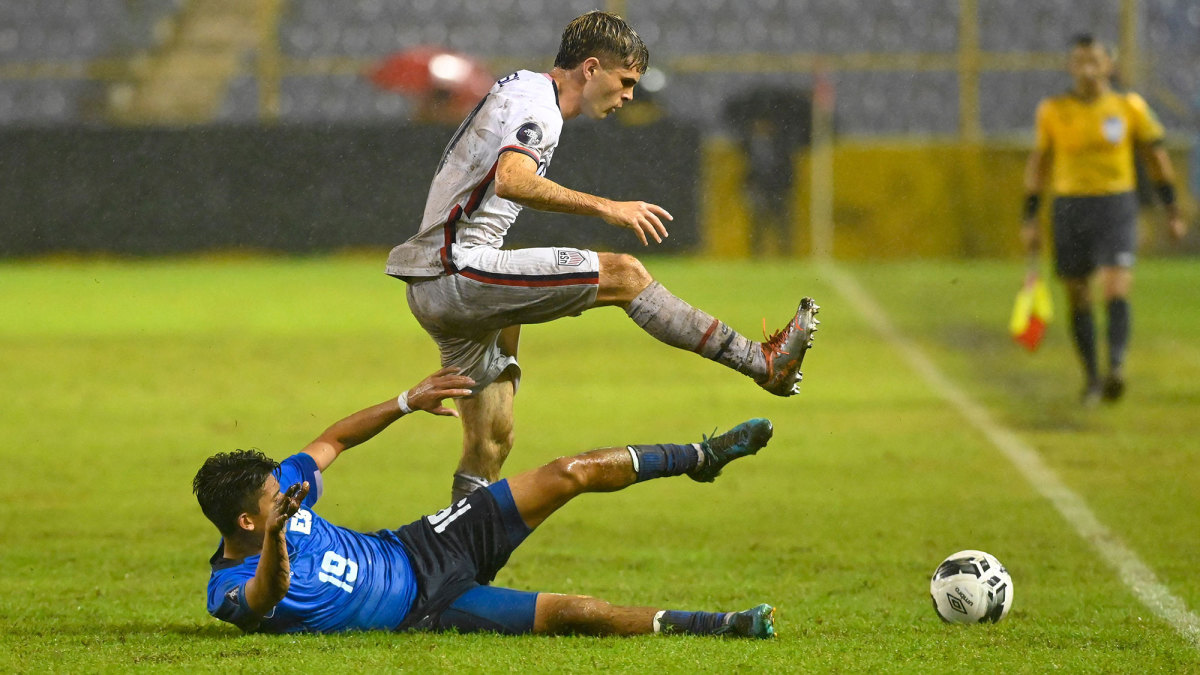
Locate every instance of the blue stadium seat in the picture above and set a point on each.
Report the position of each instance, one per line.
(527, 31)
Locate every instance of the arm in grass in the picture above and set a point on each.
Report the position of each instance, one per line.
(365, 424)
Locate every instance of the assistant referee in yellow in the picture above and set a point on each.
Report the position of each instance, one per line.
(1086, 139)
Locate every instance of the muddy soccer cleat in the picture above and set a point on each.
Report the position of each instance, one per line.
(758, 622)
(784, 351)
(745, 439)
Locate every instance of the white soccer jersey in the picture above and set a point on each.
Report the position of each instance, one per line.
(519, 114)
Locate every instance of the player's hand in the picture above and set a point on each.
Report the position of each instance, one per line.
(445, 383)
(286, 505)
(1031, 236)
(1178, 227)
(646, 220)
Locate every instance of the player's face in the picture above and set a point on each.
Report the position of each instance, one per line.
(608, 89)
(1090, 67)
(266, 502)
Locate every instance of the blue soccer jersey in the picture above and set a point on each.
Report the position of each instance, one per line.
(340, 579)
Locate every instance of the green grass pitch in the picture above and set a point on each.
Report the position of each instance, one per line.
(119, 378)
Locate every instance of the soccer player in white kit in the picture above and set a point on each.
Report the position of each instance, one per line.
(472, 297)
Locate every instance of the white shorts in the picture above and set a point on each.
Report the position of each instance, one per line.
(493, 289)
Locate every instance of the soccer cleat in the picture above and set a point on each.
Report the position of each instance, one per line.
(1093, 391)
(757, 622)
(784, 351)
(746, 438)
(1113, 388)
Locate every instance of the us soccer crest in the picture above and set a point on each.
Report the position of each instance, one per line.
(1113, 129)
(568, 257)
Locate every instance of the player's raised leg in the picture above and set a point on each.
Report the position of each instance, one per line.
(540, 492)
(774, 364)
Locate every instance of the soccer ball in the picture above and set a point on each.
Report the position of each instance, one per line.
(971, 587)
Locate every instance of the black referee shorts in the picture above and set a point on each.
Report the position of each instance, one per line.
(1091, 232)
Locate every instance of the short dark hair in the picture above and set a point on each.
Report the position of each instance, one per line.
(1087, 40)
(605, 36)
(228, 485)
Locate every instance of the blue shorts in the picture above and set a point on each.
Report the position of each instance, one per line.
(455, 553)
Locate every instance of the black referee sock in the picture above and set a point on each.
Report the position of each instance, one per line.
(1083, 326)
(1118, 332)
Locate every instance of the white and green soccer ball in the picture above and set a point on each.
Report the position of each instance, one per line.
(971, 587)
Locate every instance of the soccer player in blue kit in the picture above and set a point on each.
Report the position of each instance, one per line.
(282, 568)
(472, 296)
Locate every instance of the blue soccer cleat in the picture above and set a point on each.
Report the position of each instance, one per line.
(745, 439)
(757, 622)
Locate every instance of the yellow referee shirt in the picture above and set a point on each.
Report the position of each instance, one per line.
(1091, 142)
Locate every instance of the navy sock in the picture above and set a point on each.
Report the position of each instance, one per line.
(1118, 332)
(657, 461)
(694, 623)
(1084, 329)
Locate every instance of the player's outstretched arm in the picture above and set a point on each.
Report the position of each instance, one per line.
(517, 180)
(270, 581)
(363, 425)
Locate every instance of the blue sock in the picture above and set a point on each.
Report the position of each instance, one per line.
(1118, 332)
(1084, 329)
(693, 623)
(657, 461)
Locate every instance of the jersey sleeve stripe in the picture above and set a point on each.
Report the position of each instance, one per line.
(523, 150)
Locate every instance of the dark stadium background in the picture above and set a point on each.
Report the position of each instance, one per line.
(164, 126)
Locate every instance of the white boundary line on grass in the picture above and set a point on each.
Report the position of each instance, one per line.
(1129, 567)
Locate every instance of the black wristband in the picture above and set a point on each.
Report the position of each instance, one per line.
(1032, 202)
(1166, 193)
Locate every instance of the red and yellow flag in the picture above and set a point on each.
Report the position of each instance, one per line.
(1031, 313)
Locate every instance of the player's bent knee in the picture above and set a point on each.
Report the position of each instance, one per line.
(636, 271)
(570, 475)
(625, 271)
(622, 278)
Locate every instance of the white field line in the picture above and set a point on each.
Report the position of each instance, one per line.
(1129, 567)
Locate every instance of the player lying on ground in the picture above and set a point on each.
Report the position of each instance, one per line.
(282, 568)
(472, 297)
